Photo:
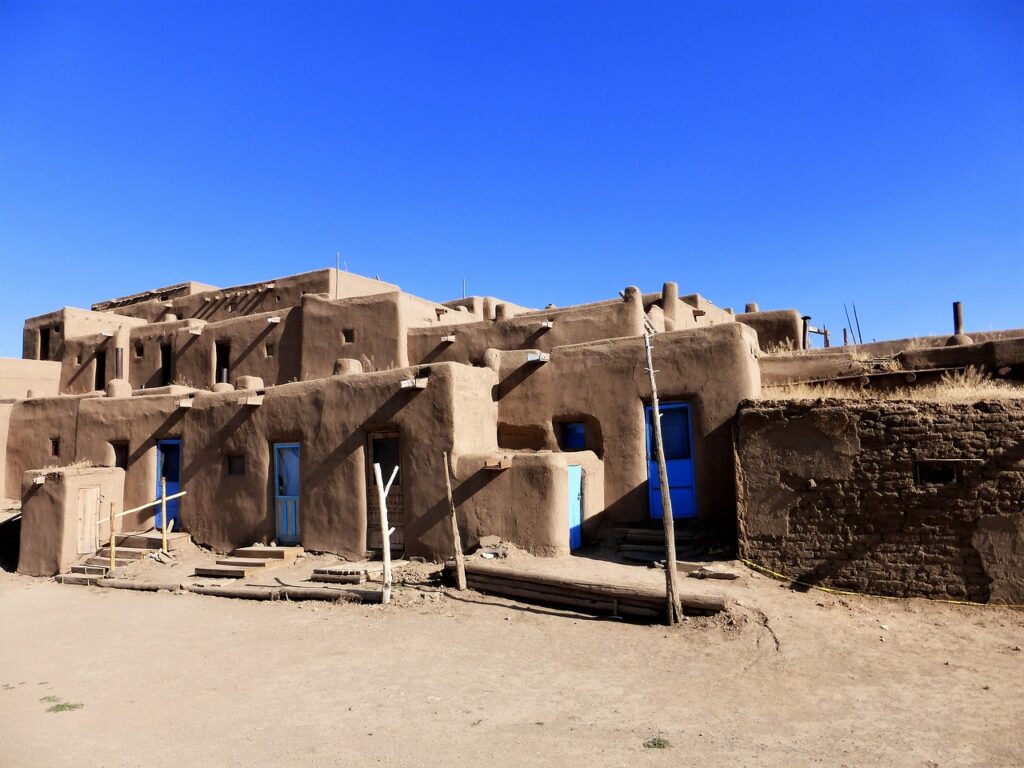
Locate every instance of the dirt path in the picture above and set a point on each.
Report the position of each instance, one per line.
(791, 679)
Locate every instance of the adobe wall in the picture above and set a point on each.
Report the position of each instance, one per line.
(605, 384)
(830, 492)
(527, 503)
(775, 328)
(19, 377)
(375, 324)
(49, 516)
(6, 491)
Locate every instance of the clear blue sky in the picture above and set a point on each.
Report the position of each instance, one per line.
(795, 154)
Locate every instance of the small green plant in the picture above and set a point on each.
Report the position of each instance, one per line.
(657, 742)
(50, 699)
(59, 706)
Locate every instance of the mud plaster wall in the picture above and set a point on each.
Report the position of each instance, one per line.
(605, 384)
(5, 425)
(49, 516)
(775, 328)
(827, 494)
(19, 377)
(528, 503)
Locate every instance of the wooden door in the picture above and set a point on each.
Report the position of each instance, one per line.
(88, 514)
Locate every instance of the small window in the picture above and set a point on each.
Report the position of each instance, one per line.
(44, 343)
(269, 348)
(78, 359)
(574, 436)
(236, 464)
(55, 446)
(140, 350)
(120, 454)
(936, 473)
(348, 335)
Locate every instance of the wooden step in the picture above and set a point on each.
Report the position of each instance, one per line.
(153, 540)
(105, 561)
(271, 553)
(90, 570)
(126, 553)
(78, 579)
(225, 571)
(247, 562)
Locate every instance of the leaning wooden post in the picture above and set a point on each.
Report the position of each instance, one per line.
(385, 532)
(675, 611)
(460, 560)
(113, 539)
(163, 514)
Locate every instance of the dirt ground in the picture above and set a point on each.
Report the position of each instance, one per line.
(441, 678)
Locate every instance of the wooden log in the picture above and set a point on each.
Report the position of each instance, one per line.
(138, 586)
(289, 593)
(460, 560)
(385, 532)
(339, 578)
(675, 613)
(590, 605)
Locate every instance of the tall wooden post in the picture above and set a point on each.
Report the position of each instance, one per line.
(460, 560)
(675, 611)
(113, 539)
(385, 532)
(163, 514)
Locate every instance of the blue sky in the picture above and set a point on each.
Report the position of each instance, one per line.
(795, 154)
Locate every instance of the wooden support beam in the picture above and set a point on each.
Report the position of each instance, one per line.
(40, 480)
(538, 357)
(449, 339)
(547, 325)
(253, 400)
(195, 331)
(184, 403)
(107, 334)
(460, 560)
(416, 383)
(273, 320)
(498, 465)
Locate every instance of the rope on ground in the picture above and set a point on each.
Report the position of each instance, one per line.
(834, 591)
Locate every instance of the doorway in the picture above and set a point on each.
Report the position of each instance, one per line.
(168, 469)
(286, 492)
(677, 438)
(88, 515)
(384, 448)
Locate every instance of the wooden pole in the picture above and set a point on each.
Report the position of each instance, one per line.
(113, 539)
(385, 532)
(460, 560)
(675, 611)
(163, 514)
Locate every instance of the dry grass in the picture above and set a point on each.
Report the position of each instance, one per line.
(968, 386)
(80, 464)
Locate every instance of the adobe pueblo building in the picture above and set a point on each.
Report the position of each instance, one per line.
(270, 403)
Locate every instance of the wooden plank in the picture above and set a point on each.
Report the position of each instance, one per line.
(460, 560)
(279, 553)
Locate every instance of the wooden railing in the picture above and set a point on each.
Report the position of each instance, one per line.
(162, 501)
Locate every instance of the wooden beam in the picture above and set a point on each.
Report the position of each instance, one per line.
(273, 320)
(460, 560)
(184, 403)
(538, 357)
(498, 464)
(416, 383)
(253, 400)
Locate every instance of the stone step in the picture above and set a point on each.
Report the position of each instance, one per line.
(225, 571)
(105, 561)
(272, 553)
(249, 562)
(126, 553)
(153, 540)
(78, 579)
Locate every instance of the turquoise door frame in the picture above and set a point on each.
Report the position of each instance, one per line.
(168, 468)
(286, 492)
(575, 506)
(677, 436)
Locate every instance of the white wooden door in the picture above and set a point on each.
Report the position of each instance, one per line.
(88, 514)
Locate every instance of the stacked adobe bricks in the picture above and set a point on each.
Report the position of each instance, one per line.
(888, 497)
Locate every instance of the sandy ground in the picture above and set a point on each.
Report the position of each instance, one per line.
(441, 678)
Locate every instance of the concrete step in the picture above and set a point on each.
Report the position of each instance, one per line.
(79, 579)
(249, 562)
(153, 540)
(225, 571)
(126, 553)
(273, 553)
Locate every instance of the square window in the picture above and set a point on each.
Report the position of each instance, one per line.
(574, 436)
(55, 446)
(120, 454)
(348, 335)
(269, 349)
(140, 350)
(78, 359)
(936, 473)
(236, 464)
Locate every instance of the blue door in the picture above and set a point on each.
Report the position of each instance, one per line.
(168, 468)
(575, 506)
(286, 492)
(676, 437)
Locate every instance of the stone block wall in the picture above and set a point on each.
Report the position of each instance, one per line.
(887, 497)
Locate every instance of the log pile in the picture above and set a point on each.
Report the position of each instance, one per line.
(600, 598)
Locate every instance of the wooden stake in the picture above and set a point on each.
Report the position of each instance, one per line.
(460, 560)
(113, 539)
(385, 532)
(675, 611)
(163, 514)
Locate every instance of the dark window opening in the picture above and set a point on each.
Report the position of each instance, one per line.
(574, 436)
(385, 453)
(222, 361)
(936, 473)
(269, 349)
(236, 465)
(675, 433)
(44, 343)
(101, 370)
(120, 454)
(58, 328)
(78, 359)
(55, 446)
(165, 364)
(348, 335)
(140, 350)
